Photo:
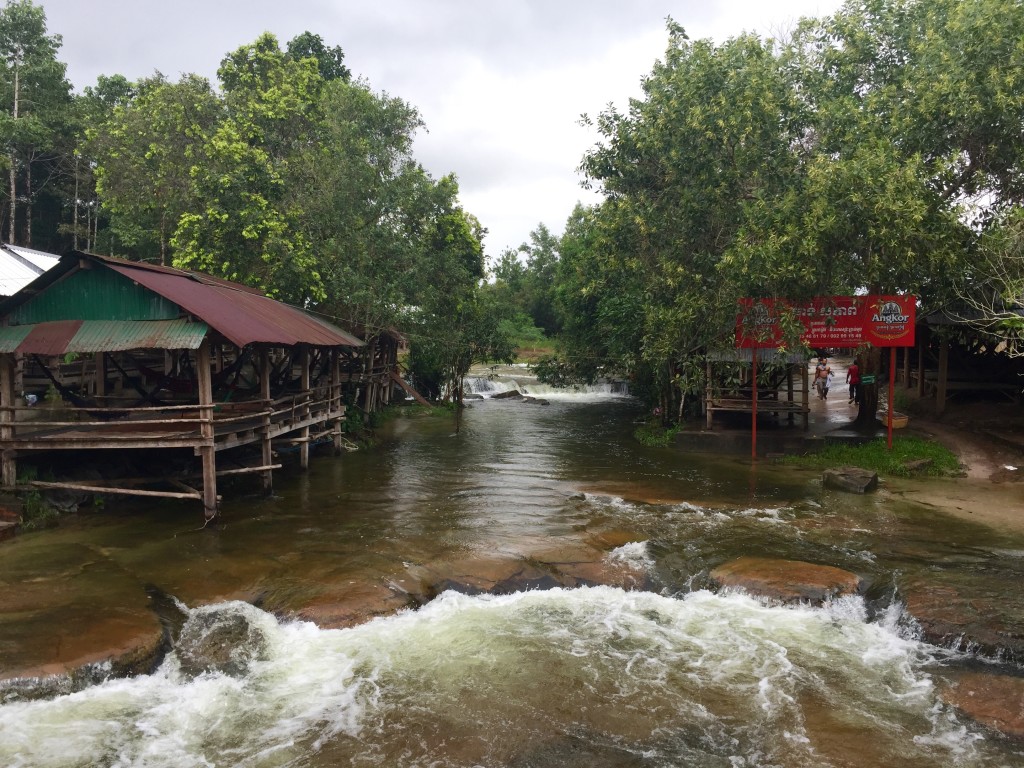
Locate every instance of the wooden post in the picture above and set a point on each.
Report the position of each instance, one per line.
(707, 396)
(789, 392)
(304, 411)
(10, 461)
(101, 374)
(940, 385)
(207, 451)
(906, 367)
(267, 476)
(807, 399)
(920, 365)
(892, 391)
(335, 404)
(753, 412)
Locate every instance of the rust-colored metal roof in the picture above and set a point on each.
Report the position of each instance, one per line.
(241, 314)
(86, 336)
(50, 338)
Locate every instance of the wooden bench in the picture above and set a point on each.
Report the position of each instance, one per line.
(953, 386)
(745, 405)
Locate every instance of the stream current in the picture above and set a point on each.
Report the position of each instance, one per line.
(671, 675)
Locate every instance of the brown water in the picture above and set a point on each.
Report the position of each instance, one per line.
(671, 676)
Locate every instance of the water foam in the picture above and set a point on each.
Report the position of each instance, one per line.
(714, 674)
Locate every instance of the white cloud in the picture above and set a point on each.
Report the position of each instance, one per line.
(501, 86)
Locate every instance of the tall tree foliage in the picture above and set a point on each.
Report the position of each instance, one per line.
(150, 138)
(525, 279)
(710, 139)
(36, 98)
(454, 325)
(243, 223)
(365, 202)
(845, 159)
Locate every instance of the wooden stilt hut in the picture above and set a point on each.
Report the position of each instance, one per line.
(145, 357)
(783, 390)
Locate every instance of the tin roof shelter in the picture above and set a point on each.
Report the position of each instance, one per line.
(20, 266)
(207, 365)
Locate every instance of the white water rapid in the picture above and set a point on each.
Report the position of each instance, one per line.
(628, 678)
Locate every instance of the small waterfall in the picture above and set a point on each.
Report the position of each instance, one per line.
(490, 385)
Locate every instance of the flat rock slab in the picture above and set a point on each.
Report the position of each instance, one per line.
(850, 479)
(354, 604)
(974, 616)
(995, 701)
(786, 580)
(511, 394)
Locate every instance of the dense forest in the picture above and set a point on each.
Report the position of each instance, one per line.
(878, 149)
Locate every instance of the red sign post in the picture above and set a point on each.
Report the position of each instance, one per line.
(828, 321)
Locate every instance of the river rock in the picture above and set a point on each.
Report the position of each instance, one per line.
(972, 616)
(7, 530)
(996, 701)
(536, 400)
(510, 394)
(916, 465)
(850, 479)
(786, 580)
(352, 604)
(221, 639)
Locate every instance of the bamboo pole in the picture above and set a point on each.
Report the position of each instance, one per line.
(122, 491)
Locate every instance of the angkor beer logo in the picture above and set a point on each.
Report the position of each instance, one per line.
(889, 320)
(758, 315)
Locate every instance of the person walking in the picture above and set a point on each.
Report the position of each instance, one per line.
(822, 375)
(853, 379)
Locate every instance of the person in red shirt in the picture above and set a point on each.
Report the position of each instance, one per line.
(853, 379)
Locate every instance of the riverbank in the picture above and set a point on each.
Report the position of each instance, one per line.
(988, 438)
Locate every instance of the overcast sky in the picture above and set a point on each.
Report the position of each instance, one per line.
(500, 85)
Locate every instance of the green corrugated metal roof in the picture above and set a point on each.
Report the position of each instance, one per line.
(122, 335)
(11, 337)
(108, 336)
(95, 294)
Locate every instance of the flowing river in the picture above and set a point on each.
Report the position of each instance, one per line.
(671, 674)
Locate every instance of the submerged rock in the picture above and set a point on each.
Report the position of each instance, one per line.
(786, 580)
(512, 393)
(850, 479)
(223, 639)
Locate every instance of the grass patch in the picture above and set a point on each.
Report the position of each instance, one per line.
(531, 353)
(877, 457)
(654, 434)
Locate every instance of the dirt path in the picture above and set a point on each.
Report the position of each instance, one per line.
(983, 436)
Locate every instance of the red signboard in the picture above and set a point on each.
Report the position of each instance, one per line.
(831, 321)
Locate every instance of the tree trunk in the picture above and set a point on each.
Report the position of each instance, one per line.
(14, 196)
(74, 227)
(866, 419)
(28, 206)
(12, 160)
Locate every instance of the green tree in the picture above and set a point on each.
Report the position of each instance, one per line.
(147, 140)
(329, 61)
(244, 223)
(456, 327)
(711, 138)
(36, 97)
(366, 203)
